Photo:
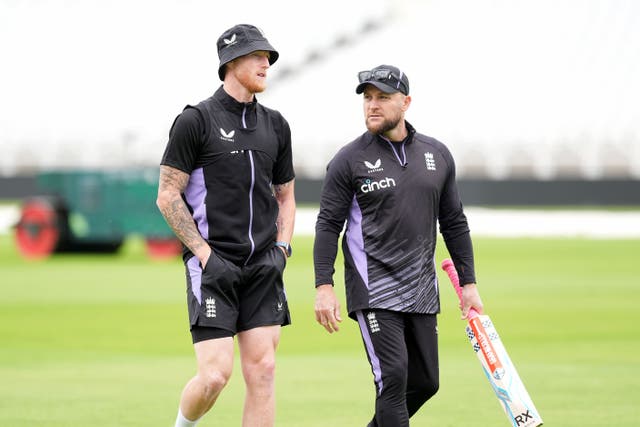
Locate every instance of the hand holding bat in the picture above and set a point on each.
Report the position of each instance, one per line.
(470, 302)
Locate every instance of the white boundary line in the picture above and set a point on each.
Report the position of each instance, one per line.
(597, 224)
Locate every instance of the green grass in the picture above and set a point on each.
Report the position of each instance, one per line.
(102, 340)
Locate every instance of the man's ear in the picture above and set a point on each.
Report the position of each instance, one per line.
(406, 103)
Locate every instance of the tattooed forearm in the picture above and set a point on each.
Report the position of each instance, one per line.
(179, 219)
(172, 184)
(282, 226)
(280, 188)
(285, 196)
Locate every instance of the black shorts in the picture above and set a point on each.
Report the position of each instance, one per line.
(225, 298)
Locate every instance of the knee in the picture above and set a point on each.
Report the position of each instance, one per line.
(214, 381)
(395, 378)
(260, 372)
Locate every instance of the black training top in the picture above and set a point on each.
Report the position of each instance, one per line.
(391, 194)
(233, 152)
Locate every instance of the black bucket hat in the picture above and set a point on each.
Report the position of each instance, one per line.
(241, 40)
(387, 78)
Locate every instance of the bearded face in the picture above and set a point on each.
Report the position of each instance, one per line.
(251, 70)
(383, 112)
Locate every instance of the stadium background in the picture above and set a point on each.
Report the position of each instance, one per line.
(519, 90)
(537, 101)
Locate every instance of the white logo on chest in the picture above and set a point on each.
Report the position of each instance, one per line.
(370, 185)
(375, 167)
(227, 136)
(429, 160)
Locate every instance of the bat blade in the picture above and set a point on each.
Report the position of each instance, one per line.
(496, 363)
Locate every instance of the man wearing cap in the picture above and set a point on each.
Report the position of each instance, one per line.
(392, 185)
(227, 190)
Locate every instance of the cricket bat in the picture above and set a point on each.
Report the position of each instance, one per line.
(496, 364)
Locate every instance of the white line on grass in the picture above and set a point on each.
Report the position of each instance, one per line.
(529, 223)
(487, 222)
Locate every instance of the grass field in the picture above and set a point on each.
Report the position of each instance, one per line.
(102, 341)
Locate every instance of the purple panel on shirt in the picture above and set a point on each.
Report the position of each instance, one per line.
(355, 241)
(195, 194)
(195, 273)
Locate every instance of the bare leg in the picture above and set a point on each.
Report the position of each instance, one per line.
(257, 355)
(215, 363)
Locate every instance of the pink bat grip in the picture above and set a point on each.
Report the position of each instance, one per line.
(450, 269)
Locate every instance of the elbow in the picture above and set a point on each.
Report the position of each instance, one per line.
(162, 200)
(159, 200)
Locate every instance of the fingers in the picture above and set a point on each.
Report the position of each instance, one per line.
(465, 312)
(330, 322)
(327, 308)
(330, 326)
(329, 317)
(471, 300)
(475, 305)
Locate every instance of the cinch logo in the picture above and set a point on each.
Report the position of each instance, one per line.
(227, 136)
(230, 41)
(376, 167)
(370, 186)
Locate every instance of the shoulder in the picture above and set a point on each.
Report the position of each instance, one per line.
(347, 151)
(192, 114)
(198, 116)
(273, 114)
(189, 119)
(428, 140)
(268, 110)
(350, 152)
(199, 112)
(206, 106)
(434, 145)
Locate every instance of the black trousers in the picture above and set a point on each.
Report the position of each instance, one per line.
(402, 349)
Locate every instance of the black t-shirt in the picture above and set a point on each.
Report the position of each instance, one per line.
(233, 153)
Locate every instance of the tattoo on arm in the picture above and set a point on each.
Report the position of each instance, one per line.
(286, 202)
(278, 189)
(172, 184)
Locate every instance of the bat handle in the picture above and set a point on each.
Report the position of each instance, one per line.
(450, 269)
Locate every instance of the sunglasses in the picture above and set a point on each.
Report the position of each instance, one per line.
(383, 75)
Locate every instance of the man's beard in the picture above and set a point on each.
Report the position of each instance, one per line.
(251, 85)
(255, 87)
(384, 127)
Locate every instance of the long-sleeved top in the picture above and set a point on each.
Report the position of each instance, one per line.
(392, 195)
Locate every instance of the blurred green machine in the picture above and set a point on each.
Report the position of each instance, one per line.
(93, 211)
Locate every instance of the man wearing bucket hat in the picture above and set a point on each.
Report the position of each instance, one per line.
(227, 190)
(392, 185)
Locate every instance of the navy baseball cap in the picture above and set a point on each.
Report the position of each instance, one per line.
(387, 78)
(241, 40)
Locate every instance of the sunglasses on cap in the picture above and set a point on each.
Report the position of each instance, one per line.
(382, 75)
